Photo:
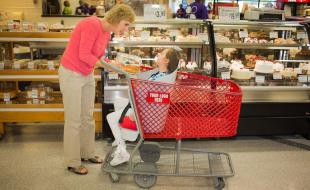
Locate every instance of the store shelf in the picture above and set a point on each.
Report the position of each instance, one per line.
(257, 46)
(39, 107)
(34, 75)
(157, 44)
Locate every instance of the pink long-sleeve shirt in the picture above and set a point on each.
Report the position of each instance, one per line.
(87, 44)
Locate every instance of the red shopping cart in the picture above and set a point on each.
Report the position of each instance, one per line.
(194, 107)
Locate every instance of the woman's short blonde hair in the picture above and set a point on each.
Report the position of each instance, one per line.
(120, 12)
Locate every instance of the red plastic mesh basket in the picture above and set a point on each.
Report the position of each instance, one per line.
(194, 107)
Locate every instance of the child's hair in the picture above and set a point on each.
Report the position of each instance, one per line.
(173, 56)
(66, 3)
(120, 12)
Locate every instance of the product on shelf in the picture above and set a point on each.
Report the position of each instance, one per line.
(284, 41)
(289, 73)
(20, 64)
(236, 64)
(5, 65)
(223, 66)
(191, 65)
(305, 68)
(277, 67)
(251, 60)
(241, 74)
(221, 38)
(263, 67)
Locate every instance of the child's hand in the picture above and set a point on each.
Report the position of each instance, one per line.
(132, 116)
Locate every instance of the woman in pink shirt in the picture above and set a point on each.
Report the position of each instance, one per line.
(87, 44)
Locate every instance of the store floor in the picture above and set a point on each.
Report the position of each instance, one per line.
(31, 157)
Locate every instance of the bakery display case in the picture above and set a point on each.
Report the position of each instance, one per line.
(146, 38)
(29, 88)
(271, 62)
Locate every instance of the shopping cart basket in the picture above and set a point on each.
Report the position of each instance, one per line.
(194, 107)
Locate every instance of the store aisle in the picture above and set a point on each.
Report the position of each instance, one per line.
(31, 157)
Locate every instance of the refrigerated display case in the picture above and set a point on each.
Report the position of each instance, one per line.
(270, 61)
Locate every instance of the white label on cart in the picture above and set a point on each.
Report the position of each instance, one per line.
(50, 65)
(273, 34)
(6, 97)
(158, 97)
(301, 35)
(34, 93)
(1, 65)
(113, 76)
(260, 79)
(277, 76)
(16, 66)
(145, 35)
(35, 101)
(30, 65)
(302, 78)
(225, 75)
(244, 33)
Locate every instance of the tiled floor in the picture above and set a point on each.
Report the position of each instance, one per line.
(31, 157)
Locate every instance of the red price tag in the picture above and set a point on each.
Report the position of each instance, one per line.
(158, 97)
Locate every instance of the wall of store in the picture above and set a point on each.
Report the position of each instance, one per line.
(32, 11)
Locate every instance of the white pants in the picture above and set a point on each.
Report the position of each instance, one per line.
(120, 134)
(78, 94)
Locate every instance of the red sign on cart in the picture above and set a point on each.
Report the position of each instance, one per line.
(158, 97)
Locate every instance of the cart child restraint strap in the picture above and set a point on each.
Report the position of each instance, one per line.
(124, 113)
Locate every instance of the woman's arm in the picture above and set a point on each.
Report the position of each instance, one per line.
(87, 41)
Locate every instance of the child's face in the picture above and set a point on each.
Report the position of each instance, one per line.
(161, 58)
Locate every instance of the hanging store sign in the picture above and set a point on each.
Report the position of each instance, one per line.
(154, 12)
(229, 13)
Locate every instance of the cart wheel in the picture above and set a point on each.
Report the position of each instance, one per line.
(114, 177)
(144, 180)
(149, 152)
(219, 183)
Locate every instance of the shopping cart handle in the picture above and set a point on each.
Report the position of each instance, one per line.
(114, 68)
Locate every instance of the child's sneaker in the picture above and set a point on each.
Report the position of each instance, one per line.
(120, 156)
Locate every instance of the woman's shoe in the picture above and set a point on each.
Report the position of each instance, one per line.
(95, 160)
(81, 170)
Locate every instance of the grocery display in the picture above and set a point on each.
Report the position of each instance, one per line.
(263, 58)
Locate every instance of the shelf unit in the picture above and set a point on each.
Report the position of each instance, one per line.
(52, 112)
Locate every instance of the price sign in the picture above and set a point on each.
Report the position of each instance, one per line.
(273, 34)
(243, 33)
(35, 101)
(277, 76)
(16, 66)
(112, 76)
(34, 93)
(174, 33)
(260, 79)
(302, 78)
(252, 74)
(31, 65)
(1, 65)
(298, 70)
(8, 102)
(225, 75)
(50, 65)
(229, 13)
(145, 35)
(154, 12)
(301, 35)
(6, 97)
(203, 37)
(42, 101)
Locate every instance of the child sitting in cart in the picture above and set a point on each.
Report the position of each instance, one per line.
(167, 64)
